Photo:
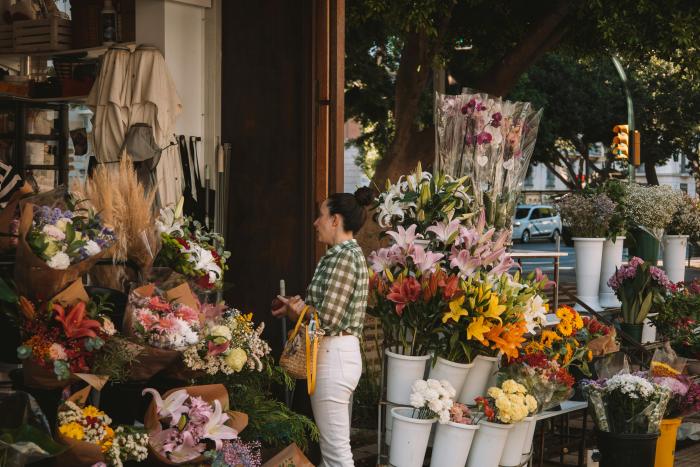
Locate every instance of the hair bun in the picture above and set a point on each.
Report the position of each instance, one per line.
(364, 196)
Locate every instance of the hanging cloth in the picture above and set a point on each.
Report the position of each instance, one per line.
(155, 102)
(109, 100)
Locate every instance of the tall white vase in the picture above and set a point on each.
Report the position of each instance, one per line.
(674, 247)
(455, 373)
(515, 444)
(409, 438)
(402, 371)
(527, 445)
(589, 256)
(612, 258)
(477, 379)
(488, 444)
(452, 444)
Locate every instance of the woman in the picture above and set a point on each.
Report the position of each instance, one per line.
(338, 293)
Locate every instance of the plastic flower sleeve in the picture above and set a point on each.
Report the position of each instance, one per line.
(595, 401)
(656, 413)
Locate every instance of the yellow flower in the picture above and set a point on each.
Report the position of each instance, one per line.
(389, 275)
(590, 355)
(564, 328)
(549, 337)
(495, 310)
(456, 310)
(236, 359)
(91, 411)
(578, 321)
(569, 354)
(72, 430)
(104, 447)
(495, 392)
(533, 347)
(513, 387)
(476, 330)
(660, 369)
(565, 313)
(248, 316)
(531, 403)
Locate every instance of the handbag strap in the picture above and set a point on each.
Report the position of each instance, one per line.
(299, 322)
(311, 359)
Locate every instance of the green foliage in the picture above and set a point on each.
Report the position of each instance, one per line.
(115, 359)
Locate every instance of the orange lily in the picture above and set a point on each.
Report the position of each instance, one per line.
(508, 338)
(74, 323)
(27, 308)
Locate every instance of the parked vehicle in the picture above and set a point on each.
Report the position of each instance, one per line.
(536, 221)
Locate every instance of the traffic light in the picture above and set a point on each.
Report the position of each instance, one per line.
(621, 141)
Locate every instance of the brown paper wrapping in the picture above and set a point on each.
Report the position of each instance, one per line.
(34, 278)
(604, 345)
(210, 392)
(8, 213)
(79, 452)
(152, 360)
(291, 455)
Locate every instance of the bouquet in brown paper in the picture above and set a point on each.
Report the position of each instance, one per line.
(91, 438)
(291, 455)
(163, 324)
(59, 240)
(62, 338)
(9, 217)
(185, 423)
(603, 338)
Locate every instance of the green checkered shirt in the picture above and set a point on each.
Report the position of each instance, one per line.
(339, 289)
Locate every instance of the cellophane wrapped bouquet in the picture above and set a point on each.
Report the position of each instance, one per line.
(506, 403)
(190, 249)
(489, 140)
(230, 343)
(164, 324)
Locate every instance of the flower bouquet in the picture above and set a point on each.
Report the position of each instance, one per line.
(423, 199)
(507, 403)
(489, 140)
(190, 250)
(639, 286)
(161, 325)
(87, 431)
(186, 422)
(230, 343)
(57, 244)
(237, 453)
(651, 208)
(600, 339)
(62, 337)
(587, 216)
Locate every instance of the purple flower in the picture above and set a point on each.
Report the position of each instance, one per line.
(468, 108)
(496, 119)
(483, 138)
(480, 107)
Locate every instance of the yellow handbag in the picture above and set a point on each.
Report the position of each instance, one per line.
(300, 354)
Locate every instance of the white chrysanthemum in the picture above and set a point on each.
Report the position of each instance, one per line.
(59, 261)
(419, 386)
(417, 400)
(92, 248)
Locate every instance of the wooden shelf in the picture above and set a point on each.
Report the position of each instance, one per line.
(87, 53)
(45, 100)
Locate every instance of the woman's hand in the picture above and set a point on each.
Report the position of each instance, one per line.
(292, 307)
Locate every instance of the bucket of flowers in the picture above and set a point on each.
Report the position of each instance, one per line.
(453, 439)
(185, 423)
(627, 410)
(501, 429)
(62, 337)
(431, 401)
(58, 242)
(91, 438)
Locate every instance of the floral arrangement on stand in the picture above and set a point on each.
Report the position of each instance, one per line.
(601, 339)
(651, 208)
(686, 218)
(423, 199)
(562, 343)
(507, 403)
(163, 324)
(190, 249)
(586, 215)
(91, 425)
(188, 426)
(489, 140)
(678, 319)
(230, 343)
(639, 286)
(63, 338)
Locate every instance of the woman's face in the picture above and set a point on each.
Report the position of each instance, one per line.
(326, 224)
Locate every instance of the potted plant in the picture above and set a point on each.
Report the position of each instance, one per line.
(503, 407)
(614, 240)
(588, 217)
(650, 209)
(639, 286)
(685, 222)
(677, 321)
(627, 410)
(430, 401)
(454, 438)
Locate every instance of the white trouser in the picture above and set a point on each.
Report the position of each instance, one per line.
(338, 371)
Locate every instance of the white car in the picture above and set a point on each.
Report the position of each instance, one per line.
(536, 221)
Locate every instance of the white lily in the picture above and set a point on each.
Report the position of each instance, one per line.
(387, 210)
(204, 261)
(172, 406)
(215, 429)
(170, 220)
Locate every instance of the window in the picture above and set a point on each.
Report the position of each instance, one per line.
(684, 187)
(535, 214)
(550, 179)
(529, 182)
(521, 213)
(545, 212)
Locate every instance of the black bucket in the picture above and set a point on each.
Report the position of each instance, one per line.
(626, 450)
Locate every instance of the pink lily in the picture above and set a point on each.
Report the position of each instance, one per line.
(382, 259)
(172, 406)
(445, 231)
(462, 260)
(425, 260)
(404, 238)
(216, 430)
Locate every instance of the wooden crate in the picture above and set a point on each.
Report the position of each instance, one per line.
(42, 35)
(6, 38)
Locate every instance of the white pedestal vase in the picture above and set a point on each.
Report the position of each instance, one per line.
(409, 438)
(488, 444)
(674, 247)
(477, 379)
(589, 256)
(402, 372)
(612, 258)
(515, 444)
(455, 373)
(452, 444)
(527, 445)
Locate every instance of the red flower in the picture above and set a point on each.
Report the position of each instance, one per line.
(183, 242)
(483, 403)
(158, 304)
(404, 291)
(450, 287)
(74, 323)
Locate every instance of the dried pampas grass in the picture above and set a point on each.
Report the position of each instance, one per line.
(124, 203)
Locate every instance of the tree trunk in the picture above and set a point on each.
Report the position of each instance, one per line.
(650, 172)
